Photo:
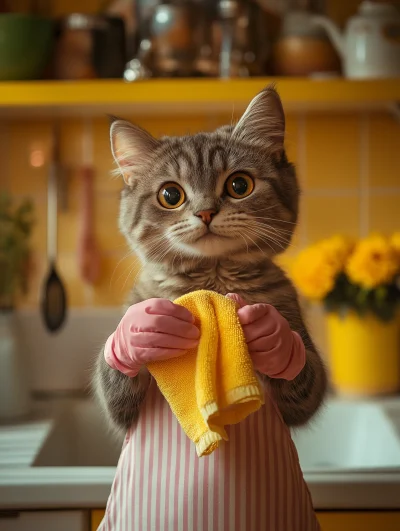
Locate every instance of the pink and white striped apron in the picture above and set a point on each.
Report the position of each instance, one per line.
(252, 483)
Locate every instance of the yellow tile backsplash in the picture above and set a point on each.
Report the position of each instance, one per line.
(383, 152)
(332, 153)
(385, 212)
(292, 132)
(349, 165)
(106, 222)
(324, 215)
(39, 236)
(28, 150)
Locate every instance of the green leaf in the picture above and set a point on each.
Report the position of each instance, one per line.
(16, 225)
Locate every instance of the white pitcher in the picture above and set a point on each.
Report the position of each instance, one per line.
(370, 45)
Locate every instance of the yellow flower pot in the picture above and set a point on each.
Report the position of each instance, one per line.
(364, 355)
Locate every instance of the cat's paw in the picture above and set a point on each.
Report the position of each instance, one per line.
(274, 348)
(152, 330)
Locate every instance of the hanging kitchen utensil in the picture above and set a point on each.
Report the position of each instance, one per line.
(54, 299)
(88, 252)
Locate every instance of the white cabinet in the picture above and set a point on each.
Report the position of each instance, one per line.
(44, 521)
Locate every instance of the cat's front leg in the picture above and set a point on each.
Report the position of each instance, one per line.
(120, 395)
(152, 330)
(299, 399)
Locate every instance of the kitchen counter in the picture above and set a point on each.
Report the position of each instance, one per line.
(20, 442)
(89, 487)
(72, 434)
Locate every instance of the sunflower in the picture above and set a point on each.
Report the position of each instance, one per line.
(337, 250)
(373, 262)
(313, 274)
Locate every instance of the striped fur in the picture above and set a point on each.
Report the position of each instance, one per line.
(177, 258)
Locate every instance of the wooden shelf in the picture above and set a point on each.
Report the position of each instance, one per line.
(189, 96)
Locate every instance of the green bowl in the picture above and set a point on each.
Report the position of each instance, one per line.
(25, 46)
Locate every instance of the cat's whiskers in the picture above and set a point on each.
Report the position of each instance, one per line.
(157, 256)
(247, 215)
(257, 218)
(154, 250)
(269, 235)
(271, 230)
(283, 243)
(280, 220)
(170, 247)
(263, 209)
(270, 238)
(178, 251)
(277, 230)
(245, 241)
(129, 275)
(284, 235)
(128, 270)
(129, 253)
(132, 265)
(255, 243)
(272, 234)
(268, 241)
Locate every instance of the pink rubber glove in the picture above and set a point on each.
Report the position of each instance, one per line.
(275, 349)
(156, 329)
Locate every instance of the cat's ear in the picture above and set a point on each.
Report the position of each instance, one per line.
(263, 123)
(131, 147)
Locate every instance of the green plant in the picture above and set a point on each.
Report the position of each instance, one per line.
(16, 224)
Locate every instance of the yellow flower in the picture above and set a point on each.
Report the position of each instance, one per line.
(372, 263)
(313, 274)
(337, 249)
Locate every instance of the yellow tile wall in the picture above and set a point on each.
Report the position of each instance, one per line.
(348, 164)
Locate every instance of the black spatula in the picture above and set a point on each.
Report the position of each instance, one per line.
(54, 298)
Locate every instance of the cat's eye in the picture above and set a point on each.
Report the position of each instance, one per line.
(239, 185)
(171, 195)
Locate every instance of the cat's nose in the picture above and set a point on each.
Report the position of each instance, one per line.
(206, 215)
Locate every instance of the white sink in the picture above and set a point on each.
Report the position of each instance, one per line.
(349, 436)
(80, 438)
(346, 436)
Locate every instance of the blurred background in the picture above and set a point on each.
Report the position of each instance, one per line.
(178, 67)
(347, 159)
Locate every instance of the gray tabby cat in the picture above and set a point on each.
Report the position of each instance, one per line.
(209, 211)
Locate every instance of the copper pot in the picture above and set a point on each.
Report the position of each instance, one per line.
(302, 56)
(303, 48)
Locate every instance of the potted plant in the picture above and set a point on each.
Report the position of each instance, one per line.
(359, 285)
(15, 229)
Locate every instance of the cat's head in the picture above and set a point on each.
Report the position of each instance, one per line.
(209, 195)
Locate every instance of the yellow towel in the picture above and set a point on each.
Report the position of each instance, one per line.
(213, 385)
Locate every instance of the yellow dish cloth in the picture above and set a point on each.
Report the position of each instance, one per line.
(213, 385)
